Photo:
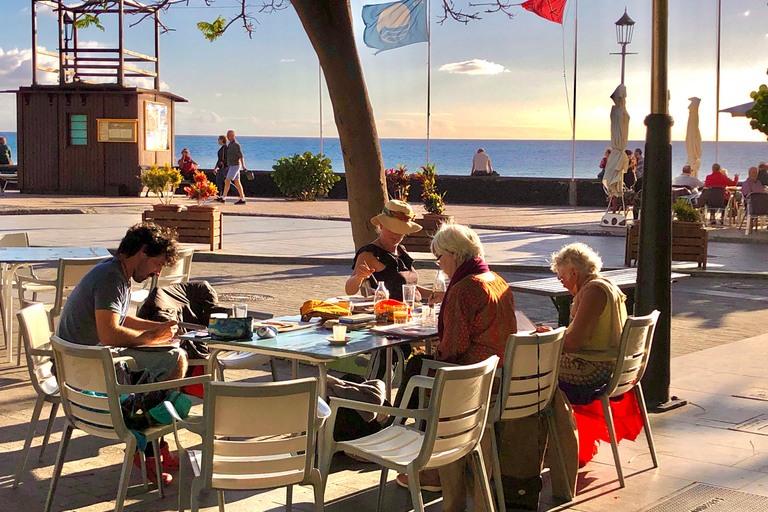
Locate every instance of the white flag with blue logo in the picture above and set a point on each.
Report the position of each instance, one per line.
(395, 24)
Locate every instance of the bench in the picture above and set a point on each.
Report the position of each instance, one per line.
(8, 174)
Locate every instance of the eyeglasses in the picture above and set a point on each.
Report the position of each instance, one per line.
(437, 260)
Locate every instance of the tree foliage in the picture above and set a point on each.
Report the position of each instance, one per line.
(759, 112)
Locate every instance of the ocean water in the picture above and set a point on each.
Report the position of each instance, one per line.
(523, 158)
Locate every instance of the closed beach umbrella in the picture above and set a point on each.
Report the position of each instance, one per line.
(693, 137)
(617, 164)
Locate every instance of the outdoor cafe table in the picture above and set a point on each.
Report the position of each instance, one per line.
(551, 287)
(311, 345)
(11, 258)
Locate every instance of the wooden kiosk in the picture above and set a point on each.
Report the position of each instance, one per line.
(92, 133)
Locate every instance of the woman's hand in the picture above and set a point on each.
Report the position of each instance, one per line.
(363, 271)
(435, 298)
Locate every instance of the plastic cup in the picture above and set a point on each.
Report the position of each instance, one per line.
(339, 332)
(239, 310)
(400, 314)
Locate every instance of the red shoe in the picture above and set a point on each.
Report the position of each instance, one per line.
(151, 472)
(429, 480)
(168, 460)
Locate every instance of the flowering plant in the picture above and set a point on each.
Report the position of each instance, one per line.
(398, 182)
(161, 181)
(430, 197)
(201, 189)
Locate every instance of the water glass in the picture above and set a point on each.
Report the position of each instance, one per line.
(428, 317)
(239, 309)
(339, 332)
(409, 296)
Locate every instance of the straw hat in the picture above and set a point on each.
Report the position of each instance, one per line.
(397, 216)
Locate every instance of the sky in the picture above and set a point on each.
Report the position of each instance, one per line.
(493, 78)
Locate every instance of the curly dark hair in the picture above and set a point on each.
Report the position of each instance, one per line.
(157, 240)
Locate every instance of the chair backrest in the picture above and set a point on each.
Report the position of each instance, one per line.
(269, 430)
(714, 197)
(88, 388)
(757, 204)
(36, 332)
(71, 271)
(635, 346)
(458, 410)
(529, 374)
(14, 240)
(177, 273)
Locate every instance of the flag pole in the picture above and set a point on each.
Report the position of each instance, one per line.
(429, 73)
(572, 198)
(320, 97)
(717, 82)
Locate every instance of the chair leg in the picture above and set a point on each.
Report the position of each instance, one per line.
(28, 441)
(220, 498)
(646, 423)
(145, 480)
(182, 482)
(604, 400)
(51, 419)
(194, 497)
(478, 466)
(382, 484)
(415, 488)
(496, 435)
(125, 473)
(558, 447)
(289, 498)
(316, 479)
(272, 368)
(65, 437)
(158, 467)
(18, 350)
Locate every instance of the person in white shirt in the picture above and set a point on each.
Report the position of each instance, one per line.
(685, 179)
(481, 164)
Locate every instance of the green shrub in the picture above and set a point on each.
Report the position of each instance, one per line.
(304, 177)
(433, 201)
(684, 211)
(161, 181)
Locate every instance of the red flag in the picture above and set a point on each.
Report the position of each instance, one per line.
(551, 10)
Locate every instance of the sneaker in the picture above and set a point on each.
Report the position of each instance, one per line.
(429, 480)
(151, 472)
(220, 199)
(241, 201)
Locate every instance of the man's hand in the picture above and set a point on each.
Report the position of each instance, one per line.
(163, 332)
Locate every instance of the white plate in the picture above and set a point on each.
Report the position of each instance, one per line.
(335, 342)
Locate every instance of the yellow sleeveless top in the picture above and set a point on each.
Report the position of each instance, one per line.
(603, 343)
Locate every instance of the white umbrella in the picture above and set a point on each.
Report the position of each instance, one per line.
(693, 137)
(739, 110)
(618, 162)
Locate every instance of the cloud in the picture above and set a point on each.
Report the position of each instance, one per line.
(287, 60)
(218, 95)
(474, 67)
(746, 13)
(16, 68)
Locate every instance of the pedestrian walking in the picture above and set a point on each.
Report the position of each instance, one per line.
(234, 161)
(220, 171)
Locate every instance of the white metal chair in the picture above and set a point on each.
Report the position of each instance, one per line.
(174, 274)
(69, 274)
(90, 396)
(36, 332)
(242, 450)
(455, 422)
(636, 340)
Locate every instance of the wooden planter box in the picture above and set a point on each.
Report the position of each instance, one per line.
(430, 223)
(193, 227)
(689, 243)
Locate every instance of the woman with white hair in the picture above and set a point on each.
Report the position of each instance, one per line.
(476, 318)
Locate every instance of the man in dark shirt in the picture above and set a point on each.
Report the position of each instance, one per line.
(234, 160)
(5, 153)
(762, 173)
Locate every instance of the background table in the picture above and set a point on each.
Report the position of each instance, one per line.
(12, 258)
(551, 287)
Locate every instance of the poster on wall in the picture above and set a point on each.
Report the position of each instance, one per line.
(156, 126)
(117, 130)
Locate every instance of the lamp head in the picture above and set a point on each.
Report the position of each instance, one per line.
(624, 28)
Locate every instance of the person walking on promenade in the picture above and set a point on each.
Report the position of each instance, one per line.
(639, 169)
(481, 164)
(220, 171)
(234, 161)
(5, 153)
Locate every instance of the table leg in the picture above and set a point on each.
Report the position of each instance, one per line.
(388, 380)
(563, 306)
(214, 364)
(294, 369)
(322, 377)
(7, 284)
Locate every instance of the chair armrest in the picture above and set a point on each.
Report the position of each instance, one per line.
(338, 403)
(21, 280)
(166, 384)
(417, 381)
(40, 352)
(193, 426)
(431, 364)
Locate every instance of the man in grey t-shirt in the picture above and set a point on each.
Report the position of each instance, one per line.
(96, 312)
(234, 160)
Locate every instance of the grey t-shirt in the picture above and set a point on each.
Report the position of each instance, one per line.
(234, 153)
(104, 287)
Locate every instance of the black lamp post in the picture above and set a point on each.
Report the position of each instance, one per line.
(68, 22)
(624, 29)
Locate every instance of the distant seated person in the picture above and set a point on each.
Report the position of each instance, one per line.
(719, 178)
(481, 164)
(187, 166)
(685, 179)
(762, 173)
(752, 185)
(5, 153)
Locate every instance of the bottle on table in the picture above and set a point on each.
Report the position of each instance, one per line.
(381, 295)
(439, 284)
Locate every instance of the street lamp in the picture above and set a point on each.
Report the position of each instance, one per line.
(624, 28)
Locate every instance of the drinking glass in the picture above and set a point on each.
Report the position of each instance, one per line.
(240, 309)
(400, 314)
(339, 332)
(409, 296)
